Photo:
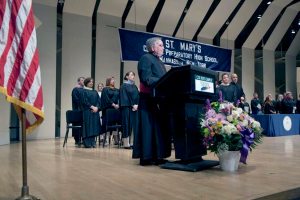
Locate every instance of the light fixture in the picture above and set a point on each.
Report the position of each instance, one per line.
(259, 16)
(299, 22)
(269, 2)
(293, 31)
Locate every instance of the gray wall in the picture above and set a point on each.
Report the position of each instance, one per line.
(4, 122)
(46, 40)
(76, 57)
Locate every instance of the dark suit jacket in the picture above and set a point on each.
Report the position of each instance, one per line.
(150, 70)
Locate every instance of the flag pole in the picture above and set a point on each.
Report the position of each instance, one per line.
(25, 188)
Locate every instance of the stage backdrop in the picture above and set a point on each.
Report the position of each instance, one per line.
(177, 52)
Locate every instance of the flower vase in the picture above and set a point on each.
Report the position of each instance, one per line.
(229, 160)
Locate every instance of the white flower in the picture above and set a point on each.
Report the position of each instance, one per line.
(229, 118)
(235, 114)
(239, 111)
(229, 129)
(222, 106)
(245, 123)
(255, 124)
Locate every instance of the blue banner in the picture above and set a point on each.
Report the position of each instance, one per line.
(177, 52)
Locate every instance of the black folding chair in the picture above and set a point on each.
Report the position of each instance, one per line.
(113, 123)
(74, 120)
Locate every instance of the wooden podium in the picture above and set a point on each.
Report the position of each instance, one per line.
(183, 91)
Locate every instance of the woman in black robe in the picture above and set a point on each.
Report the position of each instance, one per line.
(129, 99)
(109, 99)
(152, 143)
(90, 106)
(269, 106)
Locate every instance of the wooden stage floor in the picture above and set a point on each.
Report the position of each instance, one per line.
(57, 173)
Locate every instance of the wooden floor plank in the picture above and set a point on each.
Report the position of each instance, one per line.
(57, 173)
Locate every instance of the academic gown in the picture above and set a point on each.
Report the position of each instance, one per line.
(129, 96)
(108, 97)
(76, 95)
(91, 121)
(152, 140)
(228, 93)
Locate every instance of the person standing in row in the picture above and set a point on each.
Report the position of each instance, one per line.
(288, 103)
(152, 143)
(90, 106)
(109, 99)
(298, 105)
(228, 91)
(256, 104)
(129, 99)
(76, 93)
(238, 88)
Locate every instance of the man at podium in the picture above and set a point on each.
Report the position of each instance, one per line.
(152, 141)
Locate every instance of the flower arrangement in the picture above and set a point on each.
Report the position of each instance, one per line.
(226, 127)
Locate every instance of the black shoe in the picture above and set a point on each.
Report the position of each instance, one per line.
(160, 161)
(145, 162)
(127, 147)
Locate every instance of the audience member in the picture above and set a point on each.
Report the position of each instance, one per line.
(129, 99)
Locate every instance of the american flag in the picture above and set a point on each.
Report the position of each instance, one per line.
(20, 76)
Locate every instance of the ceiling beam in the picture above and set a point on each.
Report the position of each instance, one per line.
(207, 16)
(183, 14)
(216, 40)
(155, 15)
(126, 12)
(244, 34)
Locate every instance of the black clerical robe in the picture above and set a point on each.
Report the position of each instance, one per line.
(152, 140)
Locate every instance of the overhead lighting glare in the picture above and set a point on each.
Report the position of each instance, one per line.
(293, 31)
(269, 2)
(259, 16)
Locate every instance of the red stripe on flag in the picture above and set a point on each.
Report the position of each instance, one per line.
(39, 99)
(30, 76)
(25, 36)
(2, 11)
(12, 29)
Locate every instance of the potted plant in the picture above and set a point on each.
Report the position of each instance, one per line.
(230, 133)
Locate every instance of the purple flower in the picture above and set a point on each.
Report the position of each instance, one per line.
(207, 105)
(220, 97)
